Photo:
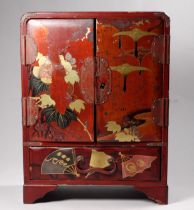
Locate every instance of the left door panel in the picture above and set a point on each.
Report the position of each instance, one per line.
(58, 58)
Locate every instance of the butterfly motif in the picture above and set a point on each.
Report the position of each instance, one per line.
(69, 58)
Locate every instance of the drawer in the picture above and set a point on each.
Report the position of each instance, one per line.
(95, 163)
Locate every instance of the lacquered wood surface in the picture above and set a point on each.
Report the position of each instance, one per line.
(75, 36)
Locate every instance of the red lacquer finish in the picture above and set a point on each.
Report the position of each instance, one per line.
(134, 160)
(95, 101)
(33, 192)
(55, 79)
(136, 77)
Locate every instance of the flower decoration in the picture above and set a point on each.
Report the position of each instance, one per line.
(122, 135)
(77, 105)
(113, 126)
(44, 69)
(50, 90)
(69, 65)
(45, 101)
(126, 136)
(69, 58)
(41, 76)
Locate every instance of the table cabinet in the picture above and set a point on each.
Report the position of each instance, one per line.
(95, 101)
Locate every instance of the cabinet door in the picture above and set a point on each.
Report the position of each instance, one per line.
(58, 60)
(128, 47)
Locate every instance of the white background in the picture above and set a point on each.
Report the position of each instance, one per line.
(181, 129)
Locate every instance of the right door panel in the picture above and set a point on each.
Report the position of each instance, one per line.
(136, 81)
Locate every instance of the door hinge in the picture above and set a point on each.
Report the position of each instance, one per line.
(29, 50)
(159, 110)
(161, 49)
(29, 111)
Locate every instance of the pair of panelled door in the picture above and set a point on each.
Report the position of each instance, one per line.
(92, 79)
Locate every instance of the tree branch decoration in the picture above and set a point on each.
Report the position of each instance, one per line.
(136, 34)
(126, 69)
(43, 83)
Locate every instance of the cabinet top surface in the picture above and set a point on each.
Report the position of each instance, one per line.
(104, 14)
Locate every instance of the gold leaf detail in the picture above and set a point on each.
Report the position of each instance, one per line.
(126, 137)
(138, 23)
(140, 163)
(44, 69)
(113, 126)
(59, 154)
(71, 75)
(126, 130)
(135, 34)
(63, 156)
(35, 71)
(126, 68)
(77, 105)
(46, 80)
(42, 59)
(99, 159)
(45, 100)
(131, 167)
(67, 65)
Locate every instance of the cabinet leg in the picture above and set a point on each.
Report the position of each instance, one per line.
(159, 194)
(33, 192)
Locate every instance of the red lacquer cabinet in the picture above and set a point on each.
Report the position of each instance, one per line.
(95, 101)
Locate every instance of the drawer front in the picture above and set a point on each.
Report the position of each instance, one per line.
(87, 163)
